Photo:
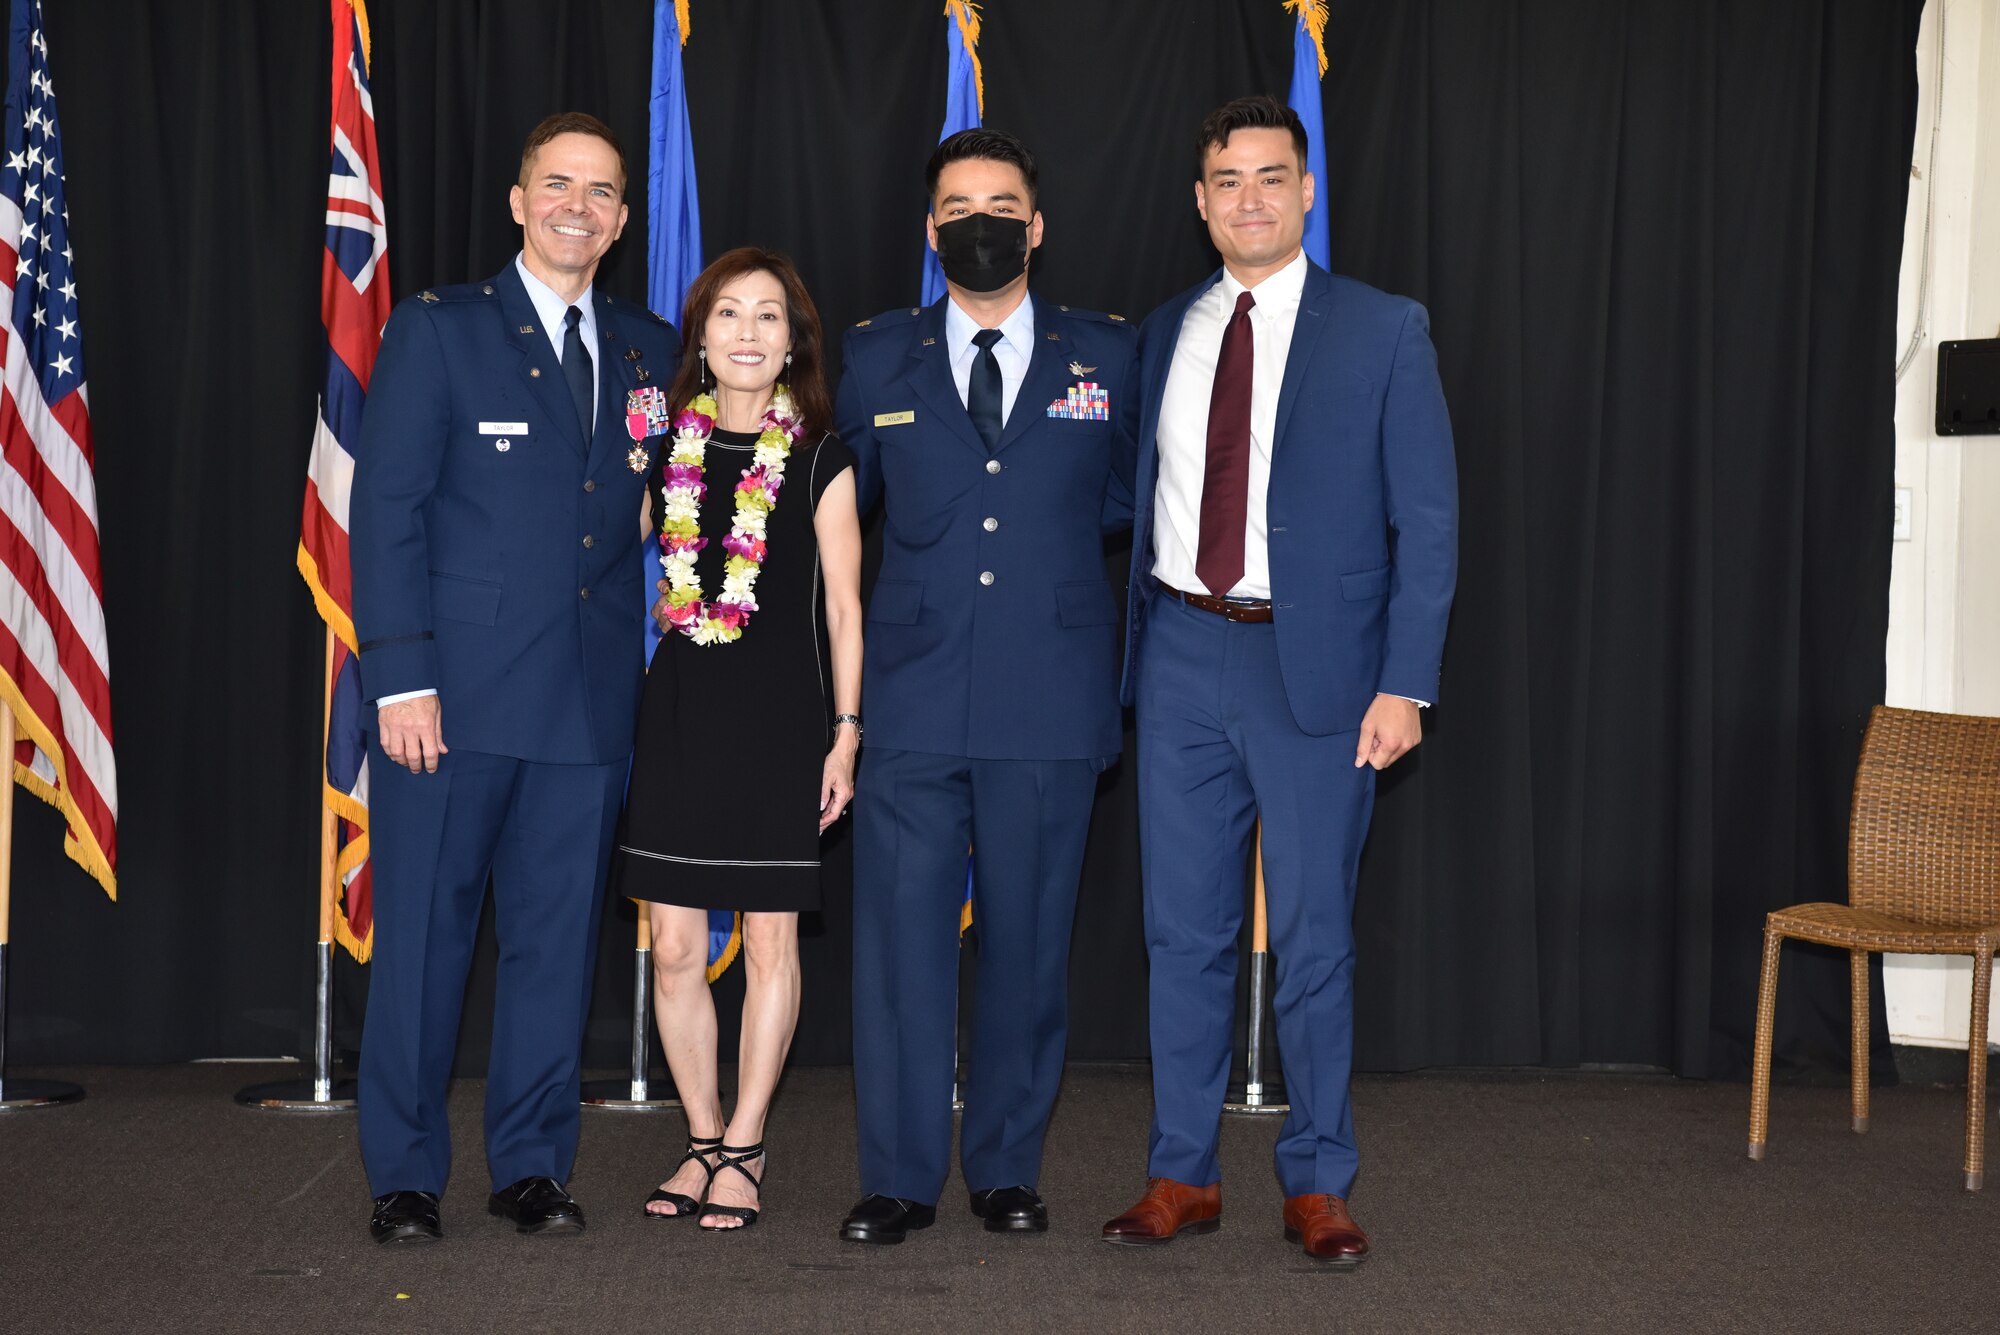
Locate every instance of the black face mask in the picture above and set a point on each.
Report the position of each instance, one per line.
(983, 252)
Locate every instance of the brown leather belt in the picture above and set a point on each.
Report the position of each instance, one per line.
(1253, 610)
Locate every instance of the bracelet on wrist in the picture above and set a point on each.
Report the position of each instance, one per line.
(852, 719)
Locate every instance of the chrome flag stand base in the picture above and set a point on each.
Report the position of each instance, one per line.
(18, 1094)
(1256, 1095)
(635, 1094)
(322, 1093)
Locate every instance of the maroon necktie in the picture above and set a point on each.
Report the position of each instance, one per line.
(1225, 482)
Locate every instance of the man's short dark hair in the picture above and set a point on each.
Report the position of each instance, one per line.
(1261, 112)
(992, 145)
(571, 122)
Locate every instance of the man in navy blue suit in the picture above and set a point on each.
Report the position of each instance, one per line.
(996, 429)
(1293, 559)
(495, 523)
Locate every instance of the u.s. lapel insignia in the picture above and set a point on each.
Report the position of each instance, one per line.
(1079, 370)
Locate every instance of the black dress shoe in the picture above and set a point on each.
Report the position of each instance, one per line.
(1011, 1210)
(537, 1205)
(885, 1219)
(405, 1216)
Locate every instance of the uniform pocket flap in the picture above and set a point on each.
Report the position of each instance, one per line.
(896, 602)
(1365, 584)
(1086, 603)
(456, 598)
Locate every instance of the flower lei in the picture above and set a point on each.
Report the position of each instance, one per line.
(720, 621)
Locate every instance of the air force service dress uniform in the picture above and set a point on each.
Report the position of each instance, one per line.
(495, 561)
(990, 690)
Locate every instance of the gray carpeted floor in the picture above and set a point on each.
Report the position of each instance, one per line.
(1497, 1202)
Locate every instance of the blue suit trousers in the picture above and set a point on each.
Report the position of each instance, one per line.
(544, 834)
(1026, 821)
(1218, 749)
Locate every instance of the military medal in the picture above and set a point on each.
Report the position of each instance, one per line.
(645, 415)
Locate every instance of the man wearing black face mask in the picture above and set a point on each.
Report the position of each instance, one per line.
(997, 429)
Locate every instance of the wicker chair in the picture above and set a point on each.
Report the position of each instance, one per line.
(1923, 877)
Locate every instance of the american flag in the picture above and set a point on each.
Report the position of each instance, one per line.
(354, 304)
(54, 660)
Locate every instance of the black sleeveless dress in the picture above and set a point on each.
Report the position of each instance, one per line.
(723, 807)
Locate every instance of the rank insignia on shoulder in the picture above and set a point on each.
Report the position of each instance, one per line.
(1119, 318)
(916, 310)
(863, 324)
(427, 297)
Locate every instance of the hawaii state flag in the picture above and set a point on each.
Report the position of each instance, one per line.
(354, 305)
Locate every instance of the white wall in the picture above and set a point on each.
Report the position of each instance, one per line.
(1944, 586)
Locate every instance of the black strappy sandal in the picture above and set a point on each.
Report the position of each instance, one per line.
(733, 1156)
(685, 1207)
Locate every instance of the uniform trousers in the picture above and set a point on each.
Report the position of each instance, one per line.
(1218, 749)
(1026, 822)
(544, 834)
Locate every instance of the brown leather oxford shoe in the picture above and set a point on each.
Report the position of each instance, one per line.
(1168, 1208)
(1321, 1222)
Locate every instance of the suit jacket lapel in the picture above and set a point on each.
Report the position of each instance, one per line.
(1306, 329)
(539, 368)
(1153, 374)
(930, 376)
(1047, 365)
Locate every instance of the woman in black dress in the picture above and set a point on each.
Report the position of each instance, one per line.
(749, 725)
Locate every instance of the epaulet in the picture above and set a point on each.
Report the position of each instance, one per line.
(890, 319)
(1078, 313)
(432, 296)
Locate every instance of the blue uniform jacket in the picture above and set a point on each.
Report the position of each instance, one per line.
(992, 631)
(494, 549)
(1362, 509)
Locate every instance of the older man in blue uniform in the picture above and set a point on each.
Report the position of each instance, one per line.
(494, 527)
(996, 428)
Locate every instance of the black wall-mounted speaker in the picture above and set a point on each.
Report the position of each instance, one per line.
(1968, 387)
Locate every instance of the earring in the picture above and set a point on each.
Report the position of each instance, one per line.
(703, 354)
(788, 359)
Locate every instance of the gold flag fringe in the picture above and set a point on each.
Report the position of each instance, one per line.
(682, 17)
(729, 951)
(966, 14)
(360, 8)
(78, 841)
(1313, 14)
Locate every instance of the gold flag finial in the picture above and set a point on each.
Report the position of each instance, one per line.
(966, 14)
(1312, 13)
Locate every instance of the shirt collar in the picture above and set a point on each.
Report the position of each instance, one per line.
(1276, 292)
(553, 309)
(1017, 330)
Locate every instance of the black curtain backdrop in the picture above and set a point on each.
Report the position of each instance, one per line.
(1659, 242)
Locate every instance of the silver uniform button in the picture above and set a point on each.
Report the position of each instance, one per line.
(985, 577)
(990, 524)
(992, 465)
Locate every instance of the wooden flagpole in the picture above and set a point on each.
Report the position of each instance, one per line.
(16, 1094)
(1257, 1094)
(320, 1093)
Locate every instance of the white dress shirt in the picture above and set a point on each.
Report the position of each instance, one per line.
(1183, 430)
(555, 321)
(554, 314)
(1016, 346)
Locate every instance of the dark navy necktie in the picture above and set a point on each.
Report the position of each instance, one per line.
(982, 395)
(1225, 483)
(576, 370)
